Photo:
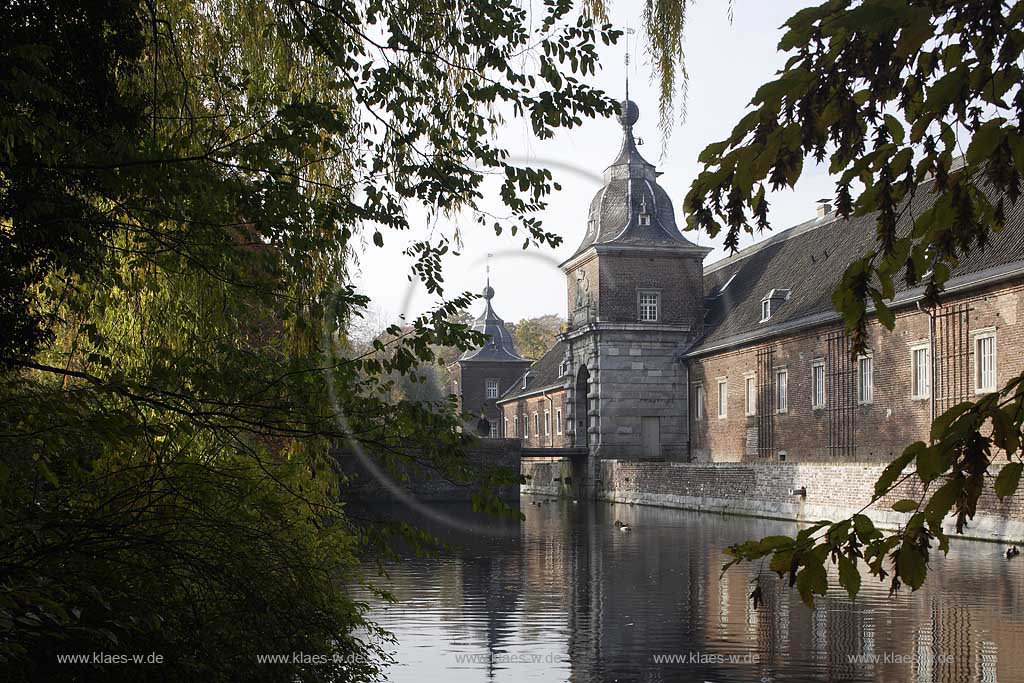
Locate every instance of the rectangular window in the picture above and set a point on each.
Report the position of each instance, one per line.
(558, 420)
(818, 384)
(723, 398)
(492, 388)
(985, 362)
(649, 306)
(505, 428)
(782, 390)
(865, 380)
(494, 429)
(750, 401)
(547, 423)
(515, 426)
(526, 426)
(920, 372)
(536, 423)
(698, 402)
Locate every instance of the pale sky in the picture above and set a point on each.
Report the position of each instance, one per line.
(726, 64)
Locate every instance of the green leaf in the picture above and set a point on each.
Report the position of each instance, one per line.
(810, 581)
(849, 576)
(865, 527)
(790, 84)
(47, 473)
(894, 469)
(905, 505)
(942, 422)
(895, 129)
(781, 562)
(930, 464)
(712, 152)
(1008, 479)
(912, 566)
(986, 138)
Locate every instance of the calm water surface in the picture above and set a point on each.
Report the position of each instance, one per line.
(564, 596)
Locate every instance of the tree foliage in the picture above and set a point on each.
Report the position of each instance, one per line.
(534, 336)
(890, 93)
(181, 183)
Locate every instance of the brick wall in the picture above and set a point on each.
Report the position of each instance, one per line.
(678, 279)
(589, 269)
(533, 408)
(766, 490)
(881, 429)
(472, 383)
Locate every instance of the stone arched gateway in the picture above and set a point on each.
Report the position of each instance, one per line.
(580, 408)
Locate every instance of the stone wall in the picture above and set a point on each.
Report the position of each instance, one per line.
(549, 477)
(834, 491)
(635, 376)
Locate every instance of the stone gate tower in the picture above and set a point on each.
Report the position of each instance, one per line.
(636, 303)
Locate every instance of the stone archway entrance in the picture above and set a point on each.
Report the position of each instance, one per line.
(581, 406)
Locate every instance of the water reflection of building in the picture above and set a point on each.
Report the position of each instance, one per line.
(568, 583)
(659, 591)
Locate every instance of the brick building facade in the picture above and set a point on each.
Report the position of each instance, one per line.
(744, 360)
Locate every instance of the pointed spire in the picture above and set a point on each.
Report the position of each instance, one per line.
(499, 345)
(629, 32)
(488, 290)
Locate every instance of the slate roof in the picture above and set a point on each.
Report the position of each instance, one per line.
(543, 374)
(499, 347)
(809, 259)
(630, 190)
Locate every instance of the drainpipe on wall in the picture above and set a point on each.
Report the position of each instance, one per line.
(549, 423)
(687, 411)
(931, 361)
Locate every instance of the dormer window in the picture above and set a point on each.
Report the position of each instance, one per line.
(526, 378)
(772, 302)
(644, 218)
(563, 369)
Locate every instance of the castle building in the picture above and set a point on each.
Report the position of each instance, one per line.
(481, 375)
(665, 358)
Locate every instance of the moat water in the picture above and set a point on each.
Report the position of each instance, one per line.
(564, 596)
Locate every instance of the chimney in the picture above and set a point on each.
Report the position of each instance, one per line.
(824, 207)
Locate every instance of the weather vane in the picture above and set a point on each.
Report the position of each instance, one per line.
(629, 32)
